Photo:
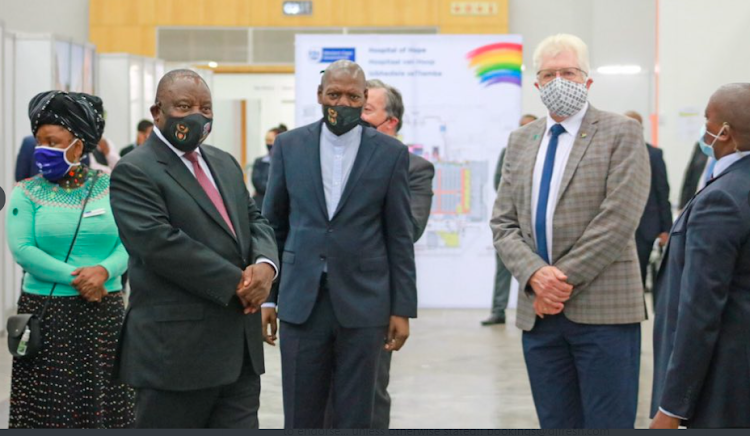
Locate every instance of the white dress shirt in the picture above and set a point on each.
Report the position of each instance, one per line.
(337, 156)
(565, 143)
(210, 176)
(725, 162)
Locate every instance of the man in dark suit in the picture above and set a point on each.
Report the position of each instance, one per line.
(702, 323)
(501, 290)
(385, 111)
(202, 260)
(695, 170)
(25, 162)
(144, 131)
(262, 166)
(657, 218)
(338, 200)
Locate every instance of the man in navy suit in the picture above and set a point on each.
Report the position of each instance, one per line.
(338, 200)
(657, 218)
(702, 323)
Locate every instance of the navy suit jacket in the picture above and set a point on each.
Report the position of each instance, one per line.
(25, 163)
(368, 244)
(702, 322)
(657, 217)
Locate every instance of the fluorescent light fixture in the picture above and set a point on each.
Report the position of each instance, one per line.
(213, 64)
(297, 8)
(619, 69)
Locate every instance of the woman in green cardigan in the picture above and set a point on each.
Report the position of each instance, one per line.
(69, 383)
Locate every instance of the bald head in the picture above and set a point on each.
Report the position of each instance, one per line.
(343, 68)
(731, 104)
(181, 93)
(343, 84)
(634, 115)
(173, 76)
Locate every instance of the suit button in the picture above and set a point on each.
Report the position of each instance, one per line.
(330, 230)
(323, 258)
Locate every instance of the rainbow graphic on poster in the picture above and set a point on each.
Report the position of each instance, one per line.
(497, 63)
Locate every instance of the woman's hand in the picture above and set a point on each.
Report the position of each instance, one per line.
(89, 282)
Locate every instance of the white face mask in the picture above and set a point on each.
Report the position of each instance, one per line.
(564, 97)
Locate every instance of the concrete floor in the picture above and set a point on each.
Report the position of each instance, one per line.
(452, 373)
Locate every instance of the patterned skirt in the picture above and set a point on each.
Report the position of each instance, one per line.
(69, 383)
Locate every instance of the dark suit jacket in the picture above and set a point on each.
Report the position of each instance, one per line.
(25, 162)
(127, 150)
(261, 170)
(657, 218)
(184, 328)
(693, 174)
(702, 324)
(368, 244)
(421, 172)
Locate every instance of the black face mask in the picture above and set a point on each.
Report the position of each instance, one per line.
(269, 147)
(341, 119)
(187, 133)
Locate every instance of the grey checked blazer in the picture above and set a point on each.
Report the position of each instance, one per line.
(601, 200)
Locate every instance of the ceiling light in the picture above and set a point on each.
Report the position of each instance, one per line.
(619, 69)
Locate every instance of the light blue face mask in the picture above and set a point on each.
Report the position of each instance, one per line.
(708, 149)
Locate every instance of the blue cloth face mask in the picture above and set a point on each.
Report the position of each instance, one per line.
(53, 162)
(708, 149)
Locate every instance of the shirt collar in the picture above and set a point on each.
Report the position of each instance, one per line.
(572, 124)
(179, 153)
(345, 139)
(725, 162)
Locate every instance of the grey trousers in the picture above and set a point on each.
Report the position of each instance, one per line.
(501, 294)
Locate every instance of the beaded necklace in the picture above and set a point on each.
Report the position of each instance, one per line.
(74, 179)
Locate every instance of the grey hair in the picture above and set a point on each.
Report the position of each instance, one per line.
(394, 104)
(556, 44)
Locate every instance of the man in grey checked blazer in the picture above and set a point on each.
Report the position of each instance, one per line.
(581, 300)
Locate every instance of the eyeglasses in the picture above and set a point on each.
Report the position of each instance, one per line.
(545, 76)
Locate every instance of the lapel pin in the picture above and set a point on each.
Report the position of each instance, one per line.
(536, 137)
(583, 135)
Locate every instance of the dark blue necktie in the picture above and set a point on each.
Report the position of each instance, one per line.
(544, 187)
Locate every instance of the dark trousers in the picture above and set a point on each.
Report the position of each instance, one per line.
(322, 359)
(583, 376)
(381, 412)
(232, 406)
(501, 292)
(644, 248)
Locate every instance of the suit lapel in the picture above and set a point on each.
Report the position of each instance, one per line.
(745, 161)
(179, 172)
(536, 142)
(366, 149)
(581, 144)
(312, 157)
(220, 170)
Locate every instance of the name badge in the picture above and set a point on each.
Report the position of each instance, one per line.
(95, 212)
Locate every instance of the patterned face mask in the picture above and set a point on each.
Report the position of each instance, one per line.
(563, 97)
